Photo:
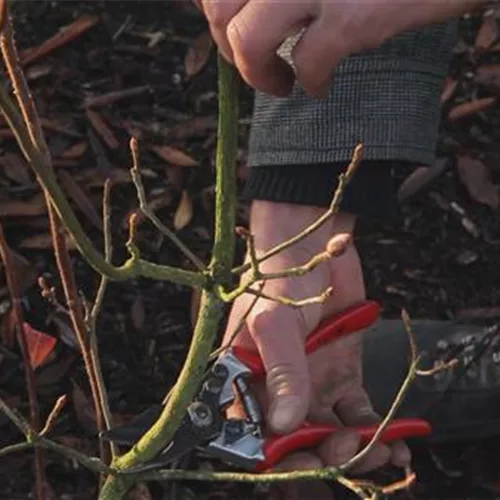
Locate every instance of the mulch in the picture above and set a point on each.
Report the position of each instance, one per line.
(103, 71)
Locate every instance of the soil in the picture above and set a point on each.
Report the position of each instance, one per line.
(145, 68)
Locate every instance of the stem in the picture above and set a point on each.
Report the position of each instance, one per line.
(144, 206)
(94, 313)
(28, 369)
(212, 308)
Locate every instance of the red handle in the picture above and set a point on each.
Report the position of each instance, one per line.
(339, 325)
(309, 436)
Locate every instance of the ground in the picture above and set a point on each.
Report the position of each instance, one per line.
(144, 68)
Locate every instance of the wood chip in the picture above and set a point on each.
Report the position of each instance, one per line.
(102, 128)
(175, 156)
(137, 313)
(112, 97)
(84, 409)
(64, 36)
(184, 212)
(489, 76)
(15, 208)
(44, 242)
(198, 54)
(449, 89)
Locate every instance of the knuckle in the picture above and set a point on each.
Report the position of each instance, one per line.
(244, 43)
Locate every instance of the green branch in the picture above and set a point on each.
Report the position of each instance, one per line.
(212, 308)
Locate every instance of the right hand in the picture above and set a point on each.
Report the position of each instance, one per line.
(326, 386)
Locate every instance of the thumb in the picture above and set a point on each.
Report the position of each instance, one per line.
(277, 333)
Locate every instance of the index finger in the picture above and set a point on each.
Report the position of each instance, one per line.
(255, 35)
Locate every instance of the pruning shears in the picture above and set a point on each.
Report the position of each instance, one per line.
(244, 442)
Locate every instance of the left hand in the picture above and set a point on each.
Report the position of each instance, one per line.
(249, 32)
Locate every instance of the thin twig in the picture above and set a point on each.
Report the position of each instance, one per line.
(410, 377)
(94, 313)
(53, 415)
(286, 301)
(344, 180)
(145, 209)
(13, 287)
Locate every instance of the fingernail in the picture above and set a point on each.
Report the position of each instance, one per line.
(286, 414)
(346, 448)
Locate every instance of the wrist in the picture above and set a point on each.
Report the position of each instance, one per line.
(275, 222)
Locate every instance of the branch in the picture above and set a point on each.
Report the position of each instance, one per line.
(94, 313)
(296, 304)
(211, 311)
(13, 287)
(410, 377)
(344, 180)
(144, 206)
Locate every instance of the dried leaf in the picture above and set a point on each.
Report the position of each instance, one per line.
(420, 178)
(487, 34)
(198, 54)
(24, 271)
(137, 313)
(60, 127)
(174, 156)
(84, 409)
(102, 128)
(40, 345)
(76, 151)
(198, 126)
(62, 37)
(140, 492)
(471, 107)
(78, 195)
(476, 177)
(184, 212)
(15, 168)
(449, 89)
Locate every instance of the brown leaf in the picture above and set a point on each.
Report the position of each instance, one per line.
(15, 168)
(198, 54)
(487, 34)
(137, 313)
(184, 212)
(476, 177)
(449, 89)
(25, 272)
(471, 107)
(62, 37)
(78, 195)
(420, 178)
(40, 345)
(76, 151)
(14, 208)
(84, 409)
(174, 156)
(60, 127)
(140, 492)
(102, 128)
(198, 126)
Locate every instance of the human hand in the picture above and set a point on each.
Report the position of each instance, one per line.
(249, 32)
(326, 386)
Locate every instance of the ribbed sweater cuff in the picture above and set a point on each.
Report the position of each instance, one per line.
(371, 193)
